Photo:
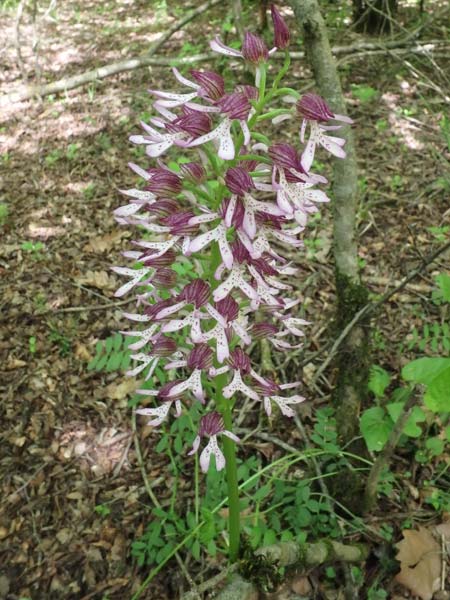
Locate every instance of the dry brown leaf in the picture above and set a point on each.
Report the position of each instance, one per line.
(119, 391)
(420, 561)
(99, 279)
(105, 242)
(82, 353)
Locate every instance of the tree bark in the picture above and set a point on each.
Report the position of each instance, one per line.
(353, 359)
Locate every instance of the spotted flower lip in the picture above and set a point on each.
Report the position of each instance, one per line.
(281, 31)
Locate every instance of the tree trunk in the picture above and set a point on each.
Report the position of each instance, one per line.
(374, 16)
(353, 359)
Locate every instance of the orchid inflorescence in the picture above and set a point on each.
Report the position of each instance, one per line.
(239, 195)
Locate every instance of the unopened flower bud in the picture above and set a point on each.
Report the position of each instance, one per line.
(281, 33)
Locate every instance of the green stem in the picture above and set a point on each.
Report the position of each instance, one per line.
(229, 450)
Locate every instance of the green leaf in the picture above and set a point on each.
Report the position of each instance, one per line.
(270, 537)
(379, 380)
(303, 517)
(211, 547)
(117, 341)
(162, 444)
(126, 360)
(102, 362)
(435, 445)
(375, 427)
(411, 428)
(425, 370)
(437, 396)
(93, 363)
(262, 493)
(109, 344)
(114, 361)
(443, 281)
(447, 433)
(435, 374)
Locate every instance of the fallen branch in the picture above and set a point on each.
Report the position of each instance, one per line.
(70, 83)
(301, 556)
(77, 80)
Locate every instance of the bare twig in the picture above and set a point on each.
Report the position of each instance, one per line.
(108, 70)
(18, 40)
(370, 308)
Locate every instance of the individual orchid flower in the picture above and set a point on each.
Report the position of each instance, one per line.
(232, 107)
(161, 412)
(239, 365)
(270, 390)
(314, 110)
(211, 426)
(198, 360)
(208, 85)
(226, 315)
(163, 347)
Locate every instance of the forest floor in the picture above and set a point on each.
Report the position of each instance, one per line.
(72, 492)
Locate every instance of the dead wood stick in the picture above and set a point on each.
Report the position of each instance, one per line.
(108, 70)
(289, 554)
(371, 307)
(70, 83)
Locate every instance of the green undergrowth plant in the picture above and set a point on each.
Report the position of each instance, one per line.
(435, 336)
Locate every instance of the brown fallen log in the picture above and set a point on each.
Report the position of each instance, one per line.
(70, 83)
